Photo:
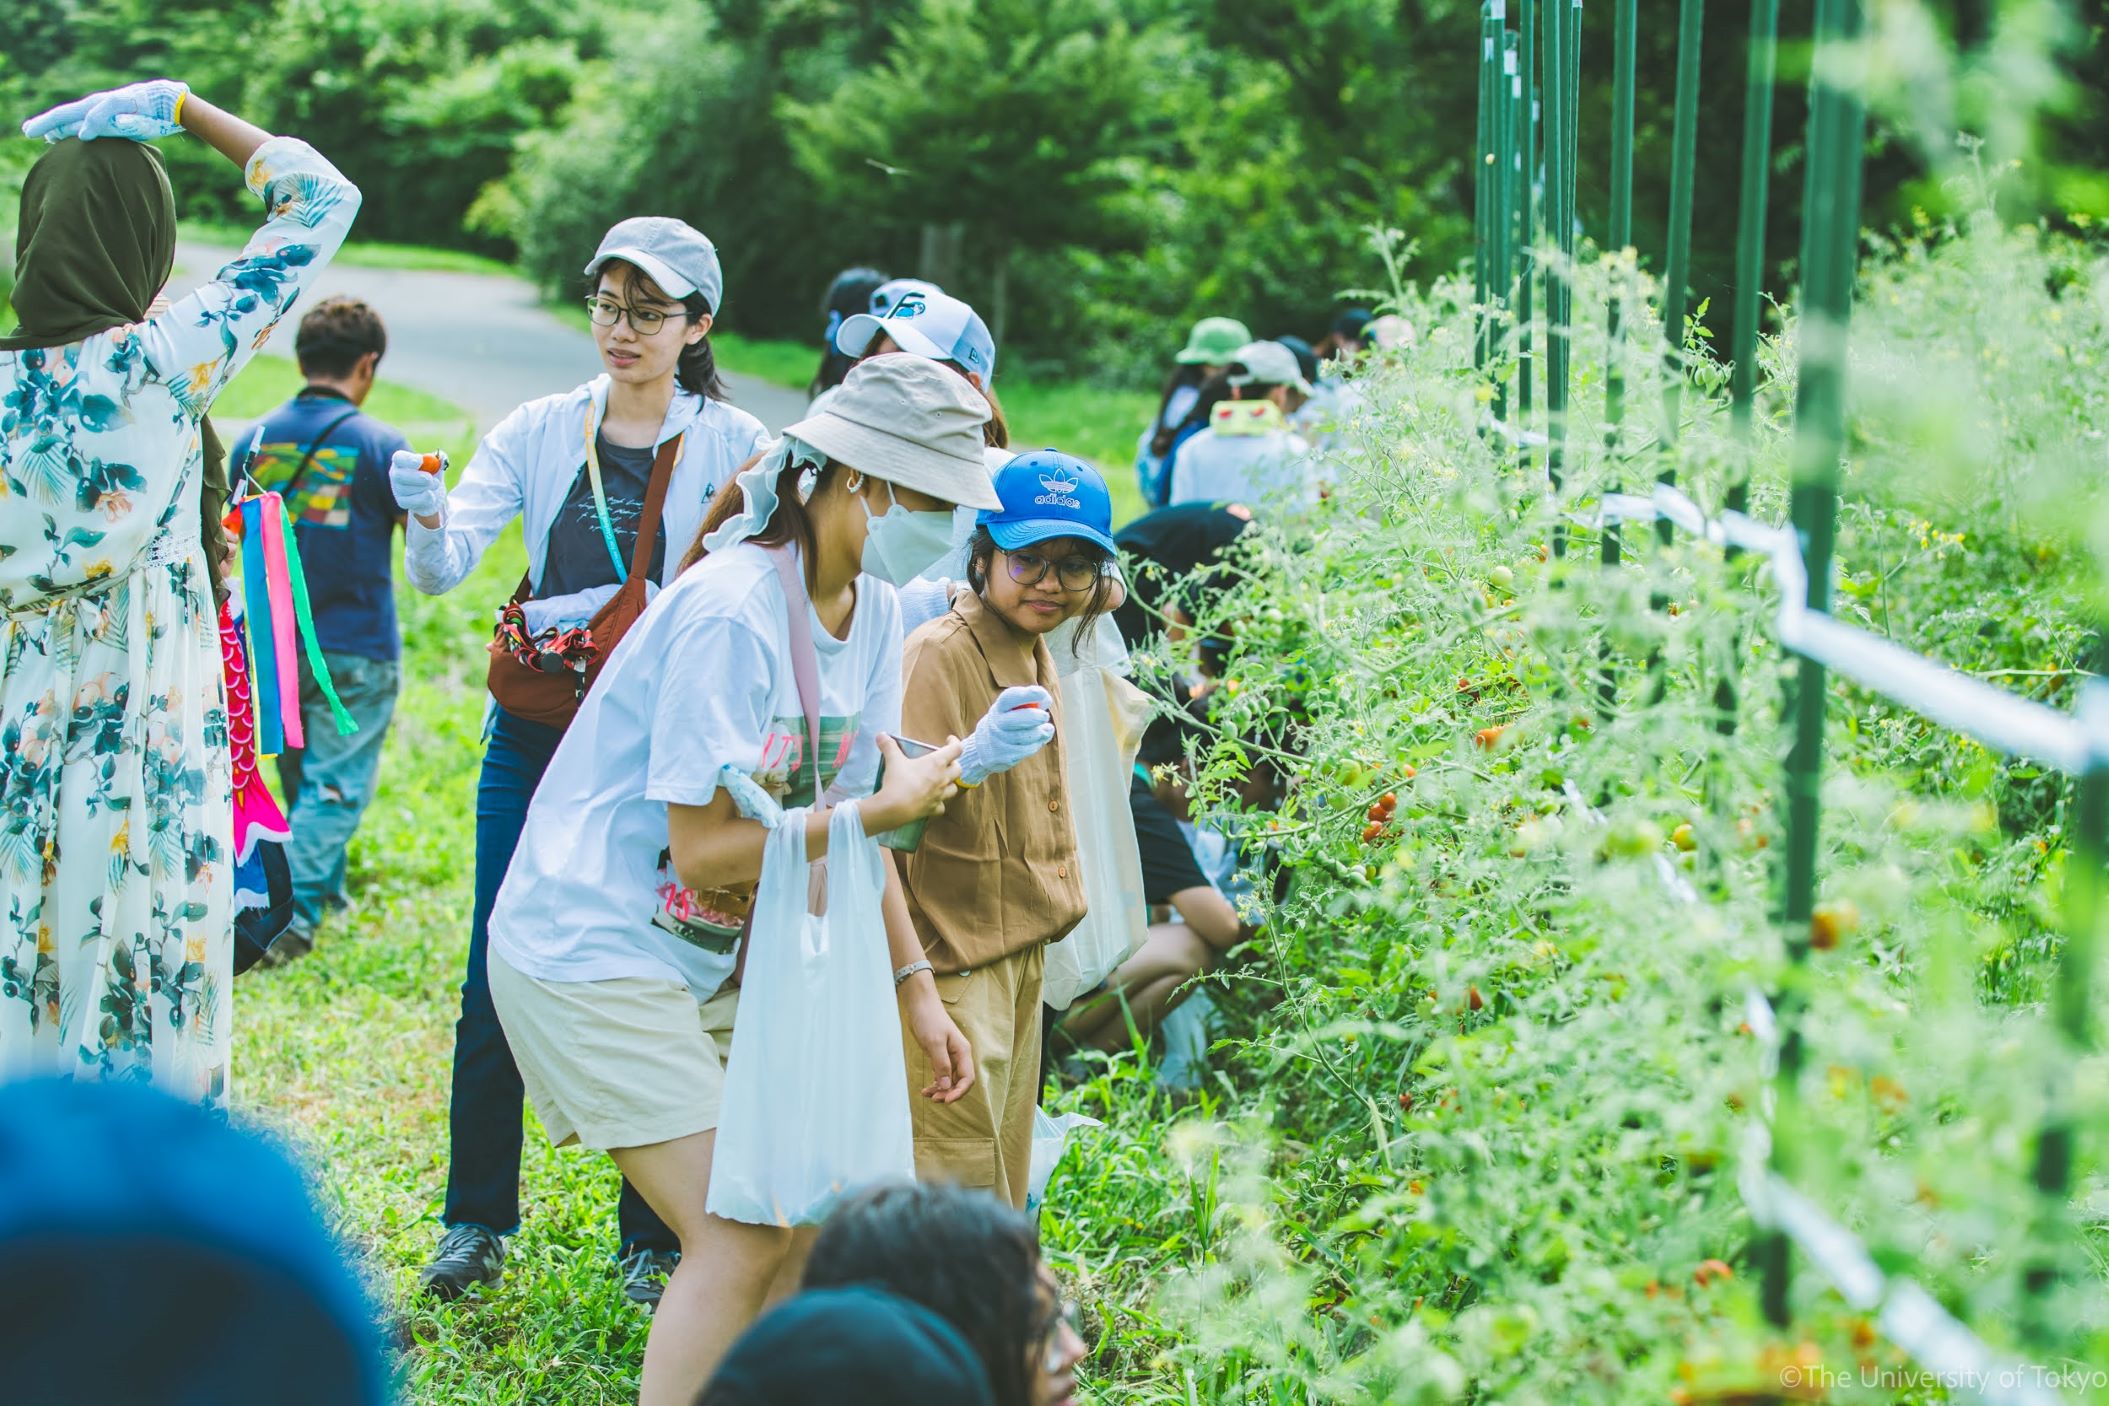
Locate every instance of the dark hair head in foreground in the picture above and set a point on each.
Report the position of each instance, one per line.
(965, 1255)
(831, 1347)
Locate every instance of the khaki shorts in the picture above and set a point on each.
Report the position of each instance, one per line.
(626, 1062)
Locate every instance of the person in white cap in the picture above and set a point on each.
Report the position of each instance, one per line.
(1249, 453)
(922, 321)
(577, 470)
(615, 938)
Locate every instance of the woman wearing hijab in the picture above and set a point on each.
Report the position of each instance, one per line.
(116, 809)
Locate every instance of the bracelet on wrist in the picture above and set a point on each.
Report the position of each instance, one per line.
(901, 976)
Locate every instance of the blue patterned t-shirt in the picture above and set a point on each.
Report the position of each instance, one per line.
(343, 512)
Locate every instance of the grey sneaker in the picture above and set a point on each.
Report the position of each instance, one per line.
(468, 1255)
(292, 945)
(644, 1274)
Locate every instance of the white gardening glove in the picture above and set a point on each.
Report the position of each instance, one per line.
(137, 112)
(418, 493)
(749, 798)
(1019, 723)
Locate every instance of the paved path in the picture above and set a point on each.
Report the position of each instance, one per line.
(482, 341)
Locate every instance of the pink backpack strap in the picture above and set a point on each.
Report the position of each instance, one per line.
(805, 663)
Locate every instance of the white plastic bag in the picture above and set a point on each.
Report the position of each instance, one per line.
(1050, 1141)
(1103, 716)
(816, 1089)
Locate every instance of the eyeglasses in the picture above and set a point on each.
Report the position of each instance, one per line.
(1055, 1352)
(606, 312)
(1030, 569)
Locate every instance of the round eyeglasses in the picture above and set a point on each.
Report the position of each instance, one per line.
(1030, 569)
(606, 312)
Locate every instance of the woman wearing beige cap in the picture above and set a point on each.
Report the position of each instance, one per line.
(615, 938)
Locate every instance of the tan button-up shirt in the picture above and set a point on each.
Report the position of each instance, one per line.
(997, 872)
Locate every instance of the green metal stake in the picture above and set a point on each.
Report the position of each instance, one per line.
(1482, 195)
(2071, 1000)
(1623, 43)
(1503, 227)
(1677, 268)
(1830, 240)
(1750, 227)
(1527, 223)
(1558, 347)
(1750, 275)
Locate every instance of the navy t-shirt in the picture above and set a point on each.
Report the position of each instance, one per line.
(576, 558)
(343, 511)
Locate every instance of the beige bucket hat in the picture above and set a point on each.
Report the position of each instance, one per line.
(908, 421)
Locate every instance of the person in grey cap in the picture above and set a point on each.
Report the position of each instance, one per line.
(577, 470)
(615, 939)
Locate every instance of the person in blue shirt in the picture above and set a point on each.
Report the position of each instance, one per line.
(330, 462)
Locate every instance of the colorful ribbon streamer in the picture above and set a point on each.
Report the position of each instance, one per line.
(274, 590)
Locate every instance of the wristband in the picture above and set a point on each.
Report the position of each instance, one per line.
(175, 114)
(910, 970)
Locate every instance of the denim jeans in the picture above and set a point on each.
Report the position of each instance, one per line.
(329, 782)
(484, 1127)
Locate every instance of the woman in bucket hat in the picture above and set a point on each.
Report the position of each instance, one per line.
(577, 470)
(614, 939)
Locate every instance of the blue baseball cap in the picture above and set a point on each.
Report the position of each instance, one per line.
(1048, 494)
(933, 325)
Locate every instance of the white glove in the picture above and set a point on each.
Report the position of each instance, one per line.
(749, 798)
(416, 492)
(578, 608)
(1019, 723)
(138, 112)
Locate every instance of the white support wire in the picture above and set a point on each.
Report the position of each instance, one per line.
(1991, 716)
(1904, 1313)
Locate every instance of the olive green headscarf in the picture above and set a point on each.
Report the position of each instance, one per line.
(96, 242)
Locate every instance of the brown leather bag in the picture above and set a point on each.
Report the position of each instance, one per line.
(552, 697)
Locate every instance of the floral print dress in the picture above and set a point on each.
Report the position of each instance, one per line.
(116, 813)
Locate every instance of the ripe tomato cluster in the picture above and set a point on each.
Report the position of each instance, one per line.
(1380, 815)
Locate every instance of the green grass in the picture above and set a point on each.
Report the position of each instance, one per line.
(1098, 423)
(360, 253)
(268, 381)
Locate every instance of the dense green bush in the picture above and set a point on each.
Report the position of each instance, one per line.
(1488, 1080)
(1098, 172)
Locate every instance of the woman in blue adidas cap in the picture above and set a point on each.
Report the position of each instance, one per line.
(997, 876)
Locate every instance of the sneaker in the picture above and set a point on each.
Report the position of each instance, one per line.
(292, 945)
(468, 1255)
(644, 1275)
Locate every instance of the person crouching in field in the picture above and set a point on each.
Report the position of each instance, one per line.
(996, 878)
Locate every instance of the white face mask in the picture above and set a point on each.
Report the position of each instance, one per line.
(899, 545)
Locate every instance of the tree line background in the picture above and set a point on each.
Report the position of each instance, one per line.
(1092, 174)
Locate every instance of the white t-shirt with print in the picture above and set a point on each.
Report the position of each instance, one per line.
(702, 680)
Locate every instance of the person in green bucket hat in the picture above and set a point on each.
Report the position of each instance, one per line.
(1210, 347)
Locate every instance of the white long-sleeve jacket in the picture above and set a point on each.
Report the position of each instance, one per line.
(526, 465)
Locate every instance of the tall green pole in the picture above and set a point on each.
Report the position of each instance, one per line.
(1750, 229)
(1482, 194)
(1558, 348)
(1677, 268)
(1830, 241)
(1624, 42)
(2071, 1005)
(1502, 230)
(1527, 222)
